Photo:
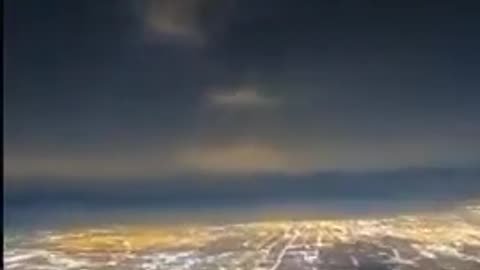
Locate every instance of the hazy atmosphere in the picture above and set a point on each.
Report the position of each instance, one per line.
(201, 100)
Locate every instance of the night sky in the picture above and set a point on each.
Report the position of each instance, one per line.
(173, 102)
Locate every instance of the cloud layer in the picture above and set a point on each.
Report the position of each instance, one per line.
(189, 21)
(240, 157)
(244, 96)
(280, 87)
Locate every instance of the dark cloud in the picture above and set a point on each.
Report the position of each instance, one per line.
(123, 90)
(412, 184)
(193, 22)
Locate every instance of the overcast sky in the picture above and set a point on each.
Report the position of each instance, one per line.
(102, 91)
